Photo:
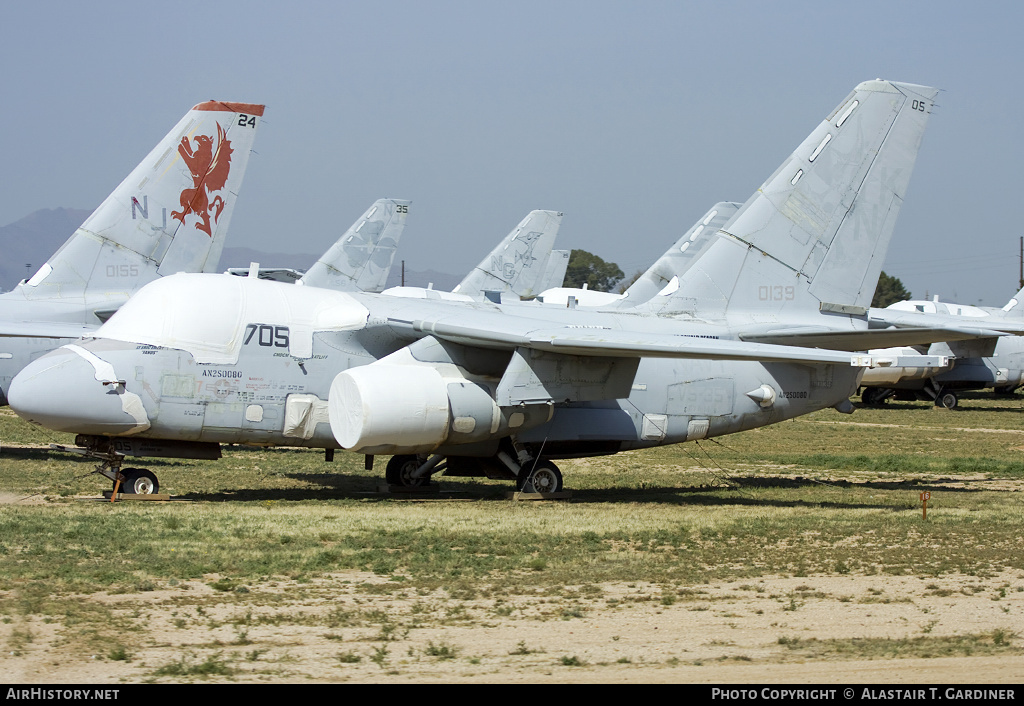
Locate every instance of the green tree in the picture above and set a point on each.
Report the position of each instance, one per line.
(587, 268)
(889, 291)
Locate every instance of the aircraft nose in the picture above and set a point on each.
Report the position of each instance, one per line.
(71, 389)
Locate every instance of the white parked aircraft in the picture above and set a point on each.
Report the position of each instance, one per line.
(481, 388)
(660, 278)
(996, 362)
(518, 267)
(359, 261)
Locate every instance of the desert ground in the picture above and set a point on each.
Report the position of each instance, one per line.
(796, 555)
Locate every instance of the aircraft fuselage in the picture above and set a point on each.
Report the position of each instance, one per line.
(263, 393)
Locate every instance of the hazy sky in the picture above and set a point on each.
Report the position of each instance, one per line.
(632, 117)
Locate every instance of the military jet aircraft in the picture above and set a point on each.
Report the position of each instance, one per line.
(660, 278)
(901, 372)
(359, 261)
(519, 266)
(481, 388)
(169, 215)
(995, 362)
(555, 267)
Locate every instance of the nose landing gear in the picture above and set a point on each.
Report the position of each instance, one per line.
(127, 481)
(139, 481)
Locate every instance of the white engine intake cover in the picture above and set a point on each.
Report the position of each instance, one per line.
(381, 405)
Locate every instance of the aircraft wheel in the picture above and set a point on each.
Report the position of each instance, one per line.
(545, 478)
(400, 469)
(139, 481)
(874, 397)
(947, 400)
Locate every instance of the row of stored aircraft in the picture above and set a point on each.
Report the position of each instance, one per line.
(137, 236)
(994, 362)
(760, 313)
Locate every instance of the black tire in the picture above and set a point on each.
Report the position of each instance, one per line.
(947, 400)
(544, 477)
(139, 481)
(399, 471)
(874, 396)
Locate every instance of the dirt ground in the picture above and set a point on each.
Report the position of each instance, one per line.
(729, 633)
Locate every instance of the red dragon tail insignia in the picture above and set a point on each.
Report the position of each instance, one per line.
(209, 166)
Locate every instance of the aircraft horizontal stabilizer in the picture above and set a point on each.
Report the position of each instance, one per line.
(912, 319)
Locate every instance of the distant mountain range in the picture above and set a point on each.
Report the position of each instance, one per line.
(26, 244)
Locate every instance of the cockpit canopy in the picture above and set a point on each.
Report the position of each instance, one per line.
(207, 314)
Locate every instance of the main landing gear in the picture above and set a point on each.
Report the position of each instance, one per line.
(947, 399)
(402, 470)
(879, 396)
(531, 475)
(875, 396)
(541, 477)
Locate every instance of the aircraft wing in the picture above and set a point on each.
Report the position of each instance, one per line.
(44, 329)
(819, 337)
(520, 332)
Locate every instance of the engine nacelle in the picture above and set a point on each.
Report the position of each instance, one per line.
(390, 409)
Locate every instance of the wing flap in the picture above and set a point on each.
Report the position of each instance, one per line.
(870, 338)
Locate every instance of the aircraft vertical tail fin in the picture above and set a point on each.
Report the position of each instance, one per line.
(1015, 307)
(814, 236)
(517, 264)
(664, 275)
(361, 259)
(170, 214)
